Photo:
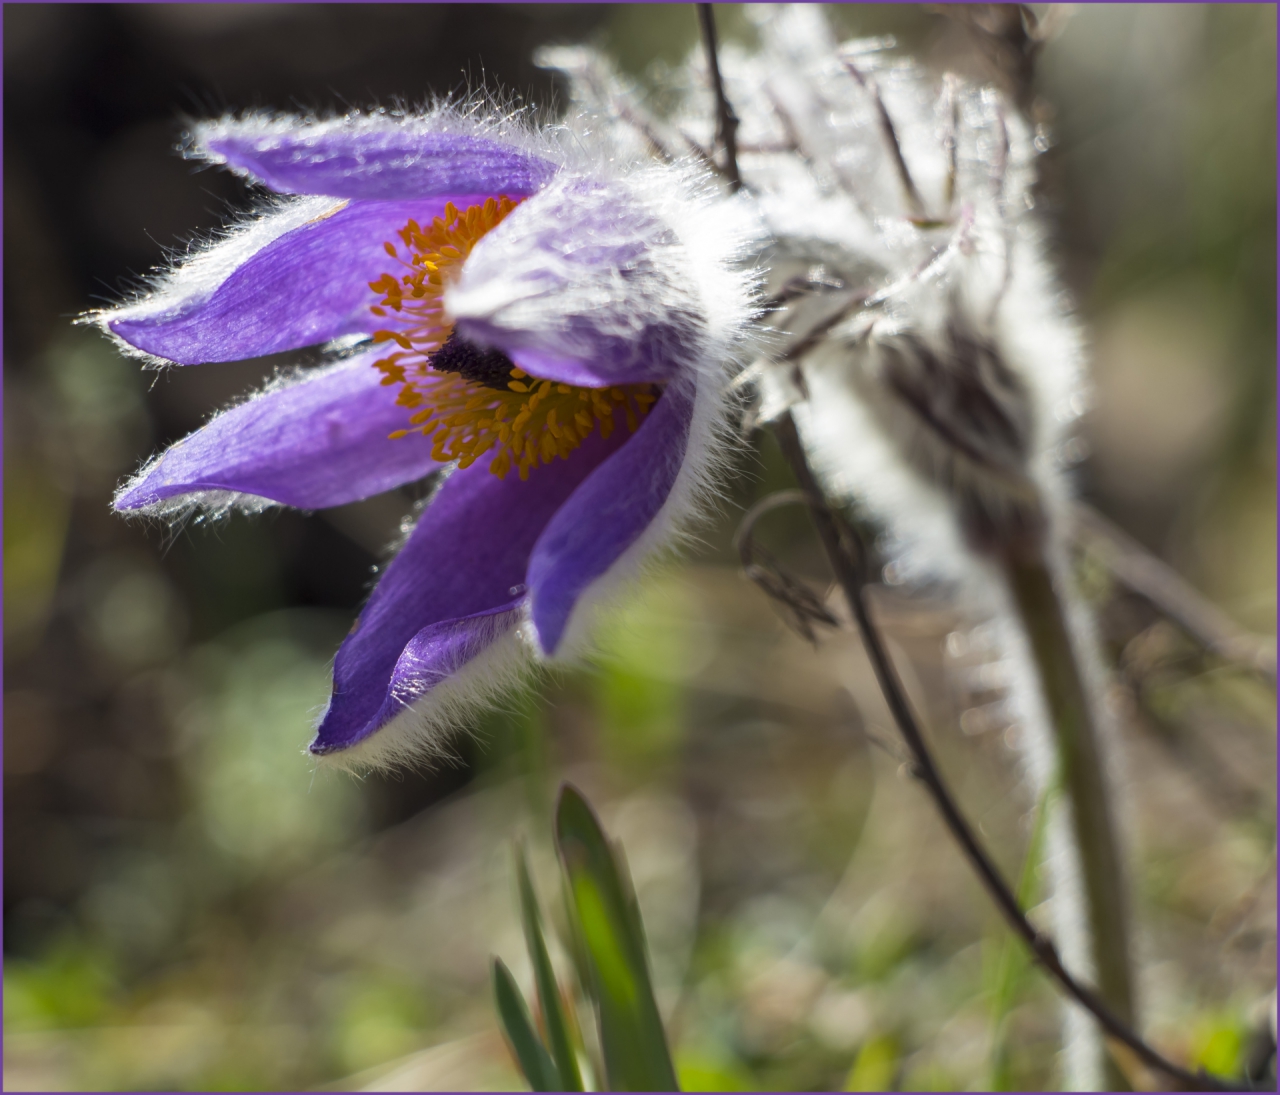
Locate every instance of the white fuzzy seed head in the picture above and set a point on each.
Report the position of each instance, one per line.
(904, 205)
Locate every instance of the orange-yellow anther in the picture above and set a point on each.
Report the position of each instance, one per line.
(534, 420)
(466, 420)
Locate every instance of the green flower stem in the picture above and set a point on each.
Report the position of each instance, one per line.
(1081, 773)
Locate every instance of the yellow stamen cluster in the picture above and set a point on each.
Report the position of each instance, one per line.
(533, 421)
(435, 252)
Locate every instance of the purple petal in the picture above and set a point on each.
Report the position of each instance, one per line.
(466, 557)
(590, 352)
(584, 374)
(306, 287)
(320, 442)
(366, 161)
(434, 654)
(584, 280)
(606, 515)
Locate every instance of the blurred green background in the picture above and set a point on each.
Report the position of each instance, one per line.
(189, 905)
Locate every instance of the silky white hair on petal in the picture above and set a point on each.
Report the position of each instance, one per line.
(194, 274)
(212, 505)
(476, 115)
(693, 494)
(527, 276)
(715, 236)
(195, 278)
(423, 732)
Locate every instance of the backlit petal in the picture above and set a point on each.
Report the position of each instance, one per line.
(319, 442)
(467, 556)
(607, 515)
(307, 286)
(372, 157)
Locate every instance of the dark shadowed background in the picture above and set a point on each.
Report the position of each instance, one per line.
(188, 906)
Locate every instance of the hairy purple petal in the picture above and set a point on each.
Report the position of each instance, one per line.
(606, 515)
(584, 374)
(357, 159)
(466, 557)
(583, 274)
(432, 656)
(306, 287)
(319, 442)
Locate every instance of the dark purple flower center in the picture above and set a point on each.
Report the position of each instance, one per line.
(489, 367)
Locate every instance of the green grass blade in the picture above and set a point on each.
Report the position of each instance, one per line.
(1014, 963)
(636, 1057)
(534, 1059)
(562, 1051)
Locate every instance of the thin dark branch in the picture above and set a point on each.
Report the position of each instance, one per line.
(1170, 594)
(803, 606)
(847, 558)
(726, 119)
(797, 350)
(890, 136)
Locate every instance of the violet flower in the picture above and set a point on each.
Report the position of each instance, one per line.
(555, 325)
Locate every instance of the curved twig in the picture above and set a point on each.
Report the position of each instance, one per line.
(845, 553)
(803, 606)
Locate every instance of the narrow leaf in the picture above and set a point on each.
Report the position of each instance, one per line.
(636, 1057)
(1013, 964)
(534, 1059)
(548, 992)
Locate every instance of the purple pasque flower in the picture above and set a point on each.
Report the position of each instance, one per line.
(556, 327)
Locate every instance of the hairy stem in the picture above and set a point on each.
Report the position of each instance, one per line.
(1081, 772)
